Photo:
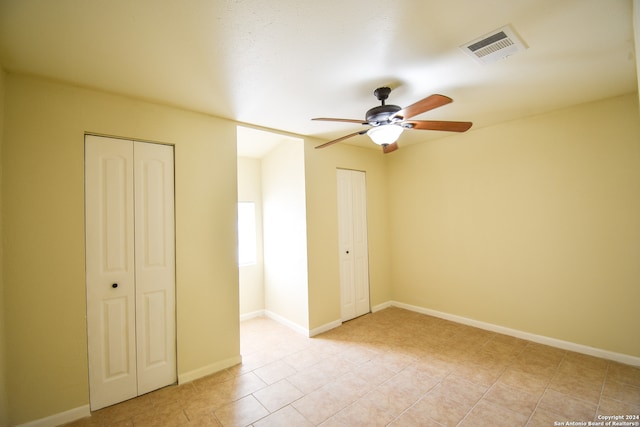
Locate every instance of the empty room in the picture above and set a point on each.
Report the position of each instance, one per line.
(338, 213)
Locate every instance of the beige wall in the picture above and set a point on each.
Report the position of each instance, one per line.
(285, 226)
(322, 222)
(42, 212)
(531, 224)
(4, 407)
(321, 217)
(636, 37)
(251, 277)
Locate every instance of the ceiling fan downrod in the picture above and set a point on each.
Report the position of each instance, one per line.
(380, 115)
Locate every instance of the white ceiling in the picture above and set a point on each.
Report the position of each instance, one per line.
(278, 63)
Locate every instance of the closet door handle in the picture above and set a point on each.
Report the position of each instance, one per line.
(115, 285)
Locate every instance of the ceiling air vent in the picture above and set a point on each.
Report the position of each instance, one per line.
(494, 46)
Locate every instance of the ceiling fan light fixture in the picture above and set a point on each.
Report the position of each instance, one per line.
(385, 134)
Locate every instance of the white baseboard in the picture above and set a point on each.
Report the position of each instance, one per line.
(324, 328)
(247, 316)
(286, 322)
(540, 339)
(209, 369)
(61, 418)
(306, 332)
(381, 306)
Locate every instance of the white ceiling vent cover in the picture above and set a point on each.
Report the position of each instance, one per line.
(494, 46)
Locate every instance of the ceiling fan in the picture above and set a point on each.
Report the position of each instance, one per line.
(389, 121)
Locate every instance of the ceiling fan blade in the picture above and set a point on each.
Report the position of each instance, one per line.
(327, 119)
(390, 148)
(426, 104)
(438, 125)
(326, 144)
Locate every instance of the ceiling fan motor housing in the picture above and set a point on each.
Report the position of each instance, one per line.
(380, 114)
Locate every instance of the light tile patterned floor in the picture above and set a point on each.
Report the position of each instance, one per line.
(396, 368)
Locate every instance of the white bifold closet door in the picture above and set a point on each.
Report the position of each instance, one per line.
(352, 243)
(130, 266)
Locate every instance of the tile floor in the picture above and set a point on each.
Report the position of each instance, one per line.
(396, 368)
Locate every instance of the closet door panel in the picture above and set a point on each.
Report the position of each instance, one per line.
(110, 270)
(360, 243)
(345, 245)
(352, 243)
(155, 265)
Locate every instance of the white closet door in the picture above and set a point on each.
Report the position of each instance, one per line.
(155, 266)
(130, 245)
(353, 246)
(110, 270)
(345, 245)
(360, 243)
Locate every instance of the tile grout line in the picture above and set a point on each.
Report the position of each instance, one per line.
(493, 385)
(386, 381)
(322, 386)
(564, 355)
(419, 399)
(604, 382)
(290, 404)
(479, 400)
